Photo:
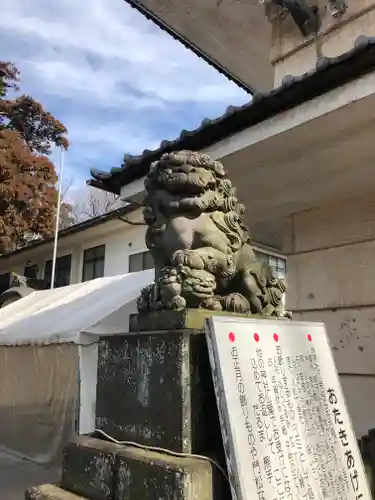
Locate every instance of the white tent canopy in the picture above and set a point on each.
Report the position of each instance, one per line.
(55, 316)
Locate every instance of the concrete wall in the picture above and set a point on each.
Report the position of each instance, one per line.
(331, 275)
(292, 54)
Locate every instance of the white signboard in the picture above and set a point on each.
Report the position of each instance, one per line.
(286, 429)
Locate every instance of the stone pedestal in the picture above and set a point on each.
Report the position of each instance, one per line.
(154, 389)
(187, 319)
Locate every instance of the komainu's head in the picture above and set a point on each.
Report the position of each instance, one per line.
(190, 182)
(185, 172)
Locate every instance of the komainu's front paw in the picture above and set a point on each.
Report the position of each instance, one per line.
(188, 258)
(177, 303)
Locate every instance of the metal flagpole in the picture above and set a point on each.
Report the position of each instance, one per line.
(57, 224)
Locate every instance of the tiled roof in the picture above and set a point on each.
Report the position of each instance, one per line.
(328, 74)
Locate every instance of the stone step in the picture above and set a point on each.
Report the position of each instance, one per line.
(156, 389)
(100, 470)
(50, 492)
(89, 468)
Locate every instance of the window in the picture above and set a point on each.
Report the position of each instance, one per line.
(140, 262)
(277, 263)
(93, 263)
(62, 271)
(5, 280)
(261, 257)
(31, 271)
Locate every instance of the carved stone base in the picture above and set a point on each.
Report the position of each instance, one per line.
(186, 319)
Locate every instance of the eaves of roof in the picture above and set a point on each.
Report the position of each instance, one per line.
(76, 228)
(328, 74)
(188, 44)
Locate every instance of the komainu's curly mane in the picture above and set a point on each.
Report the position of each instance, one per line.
(213, 193)
(199, 241)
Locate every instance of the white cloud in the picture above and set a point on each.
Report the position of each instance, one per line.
(109, 72)
(111, 135)
(128, 49)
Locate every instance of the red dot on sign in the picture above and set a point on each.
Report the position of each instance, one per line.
(309, 338)
(231, 337)
(256, 337)
(275, 337)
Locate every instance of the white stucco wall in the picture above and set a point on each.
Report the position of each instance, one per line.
(120, 240)
(122, 245)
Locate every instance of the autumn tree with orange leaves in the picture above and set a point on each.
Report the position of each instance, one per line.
(28, 177)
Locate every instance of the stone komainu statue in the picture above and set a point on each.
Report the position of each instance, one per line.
(200, 245)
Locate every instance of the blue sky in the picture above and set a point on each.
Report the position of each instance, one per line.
(116, 81)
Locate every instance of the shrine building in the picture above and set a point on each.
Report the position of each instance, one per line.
(301, 153)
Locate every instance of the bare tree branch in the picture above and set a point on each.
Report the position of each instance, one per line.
(99, 203)
(88, 203)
